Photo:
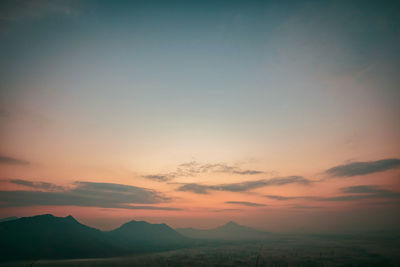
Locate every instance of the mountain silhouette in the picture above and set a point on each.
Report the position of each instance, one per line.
(144, 236)
(228, 231)
(50, 237)
(47, 236)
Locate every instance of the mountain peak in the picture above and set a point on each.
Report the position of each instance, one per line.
(231, 223)
(70, 218)
(141, 231)
(134, 223)
(50, 218)
(41, 217)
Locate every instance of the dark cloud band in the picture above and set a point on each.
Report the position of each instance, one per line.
(12, 161)
(352, 193)
(363, 168)
(244, 186)
(86, 194)
(245, 203)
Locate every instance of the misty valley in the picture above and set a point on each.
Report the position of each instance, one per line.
(46, 240)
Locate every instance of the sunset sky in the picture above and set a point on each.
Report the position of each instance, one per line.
(281, 115)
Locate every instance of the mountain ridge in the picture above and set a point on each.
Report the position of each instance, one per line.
(50, 237)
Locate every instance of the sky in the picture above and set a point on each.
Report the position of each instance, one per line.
(280, 115)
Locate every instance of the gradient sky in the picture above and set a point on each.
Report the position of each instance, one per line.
(282, 115)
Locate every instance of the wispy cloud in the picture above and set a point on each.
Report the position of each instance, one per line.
(244, 186)
(193, 168)
(306, 207)
(245, 203)
(89, 194)
(371, 190)
(195, 188)
(351, 193)
(159, 178)
(37, 185)
(279, 197)
(12, 161)
(363, 168)
(227, 210)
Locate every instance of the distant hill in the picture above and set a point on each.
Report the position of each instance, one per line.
(50, 237)
(228, 231)
(144, 236)
(47, 236)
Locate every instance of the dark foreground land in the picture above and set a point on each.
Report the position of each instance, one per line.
(46, 240)
(284, 251)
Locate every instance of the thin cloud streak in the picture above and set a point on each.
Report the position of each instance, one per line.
(227, 210)
(363, 168)
(13, 161)
(306, 207)
(36, 185)
(159, 178)
(358, 192)
(279, 197)
(244, 186)
(246, 203)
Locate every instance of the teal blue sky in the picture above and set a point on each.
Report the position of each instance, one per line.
(206, 57)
